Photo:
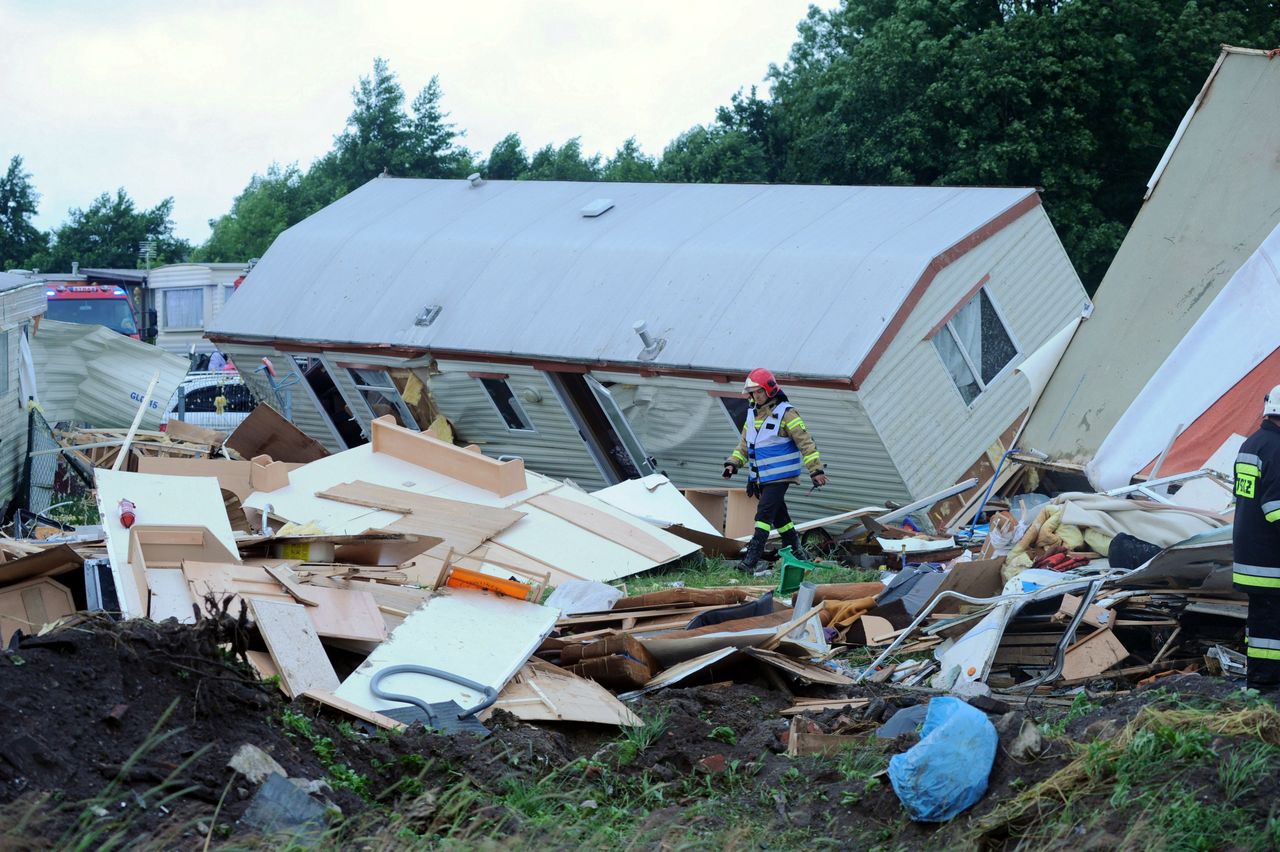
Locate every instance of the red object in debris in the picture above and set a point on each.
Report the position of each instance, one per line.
(127, 513)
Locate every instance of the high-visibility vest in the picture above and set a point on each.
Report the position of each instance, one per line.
(771, 456)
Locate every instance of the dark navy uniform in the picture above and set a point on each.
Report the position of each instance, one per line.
(1256, 545)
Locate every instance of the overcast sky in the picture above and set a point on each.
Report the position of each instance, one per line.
(189, 99)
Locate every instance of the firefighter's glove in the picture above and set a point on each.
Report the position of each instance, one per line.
(753, 488)
(729, 470)
(819, 479)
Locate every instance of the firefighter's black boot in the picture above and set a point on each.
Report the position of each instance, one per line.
(791, 539)
(755, 549)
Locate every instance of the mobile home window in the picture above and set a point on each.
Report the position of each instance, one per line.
(184, 307)
(382, 395)
(508, 407)
(975, 346)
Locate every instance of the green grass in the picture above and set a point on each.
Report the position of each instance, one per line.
(715, 571)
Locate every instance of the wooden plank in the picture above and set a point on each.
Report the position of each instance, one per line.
(328, 699)
(1093, 655)
(797, 668)
(605, 525)
(463, 526)
(789, 627)
(501, 478)
(810, 705)
(295, 648)
(179, 430)
(285, 577)
(59, 559)
(263, 664)
(338, 614)
(169, 595)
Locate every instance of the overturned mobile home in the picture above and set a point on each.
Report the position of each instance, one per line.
(1209, 207)
(601, 331)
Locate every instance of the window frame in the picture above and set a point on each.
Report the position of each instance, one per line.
(516, 406)
(390, 391)
(166, 325)
(6, 382)
(974, 369)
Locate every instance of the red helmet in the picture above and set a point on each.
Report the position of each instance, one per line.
(761, 378)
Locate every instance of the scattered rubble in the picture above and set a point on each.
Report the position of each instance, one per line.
(394, 601)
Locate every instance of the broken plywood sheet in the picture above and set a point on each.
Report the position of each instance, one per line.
(479, 636)
(241, 478)
(655, 500)
(799, 669)
(338, 613)
(295, 648)
(266, 432)
(576, 553)
(596, 519)
(31, 605)
(159, 501)
(1093, 655)
(679, 672)
(49, 562)
(170, 596)
(463, 526)
(541, 692)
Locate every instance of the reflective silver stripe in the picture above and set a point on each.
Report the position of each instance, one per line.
(1269, 644)
(1256, 570)
(1249, 458)
(1271, 506)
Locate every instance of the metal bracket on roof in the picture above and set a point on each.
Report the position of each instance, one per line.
(428, 315)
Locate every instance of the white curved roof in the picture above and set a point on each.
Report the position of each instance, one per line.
(803, 278)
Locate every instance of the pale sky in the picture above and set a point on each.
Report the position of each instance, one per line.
(189, 99)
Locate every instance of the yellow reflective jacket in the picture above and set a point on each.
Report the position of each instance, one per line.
(792, 427)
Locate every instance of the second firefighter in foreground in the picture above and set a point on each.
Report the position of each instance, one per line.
(775, 448)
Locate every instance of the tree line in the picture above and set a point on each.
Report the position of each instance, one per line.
(1078, 97)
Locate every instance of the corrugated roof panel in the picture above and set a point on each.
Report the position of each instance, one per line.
(518, 270)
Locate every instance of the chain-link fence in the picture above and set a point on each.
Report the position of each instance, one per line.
(48, 476)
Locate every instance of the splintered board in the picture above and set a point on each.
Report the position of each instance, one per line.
(295, 648)
(628, 534)
(463, 526)
(541, 692)
(338, 613)
(473, 634)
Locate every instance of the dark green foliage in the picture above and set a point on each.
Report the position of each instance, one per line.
(107, 235)
(19, 239)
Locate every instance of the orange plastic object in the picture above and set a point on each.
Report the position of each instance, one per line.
(461, 578)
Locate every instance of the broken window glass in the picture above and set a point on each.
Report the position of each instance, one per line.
(975, 346)
(382, 396)
(509, 408)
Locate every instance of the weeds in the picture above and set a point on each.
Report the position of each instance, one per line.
(724, 734)
(340, 775)
(635, 740)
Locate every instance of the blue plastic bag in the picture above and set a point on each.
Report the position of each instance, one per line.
(946, 772)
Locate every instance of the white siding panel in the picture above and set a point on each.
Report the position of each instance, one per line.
(688, 432)
(307, 416)
(930, 432)
(555, 450)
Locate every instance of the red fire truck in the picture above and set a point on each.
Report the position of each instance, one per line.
(92, 304)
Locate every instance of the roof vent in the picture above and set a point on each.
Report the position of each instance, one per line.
(428, 315)
(474, 179)
(652, 346)
(597, 208)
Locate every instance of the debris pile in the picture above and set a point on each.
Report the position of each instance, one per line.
(412, 582)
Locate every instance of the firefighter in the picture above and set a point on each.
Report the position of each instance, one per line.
(1256, 543)
(775, 448)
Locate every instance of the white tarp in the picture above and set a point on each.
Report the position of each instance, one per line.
(91, 374)
(1234, 334)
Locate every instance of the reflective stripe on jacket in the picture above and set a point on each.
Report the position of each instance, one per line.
(790, 427)
(1256, 534)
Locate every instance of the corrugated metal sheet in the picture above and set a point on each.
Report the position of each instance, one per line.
(926, 425)
(307, 415)
(1213, 206)
(90, 374)
(556, 449)
(518, 270)
(690, 434)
